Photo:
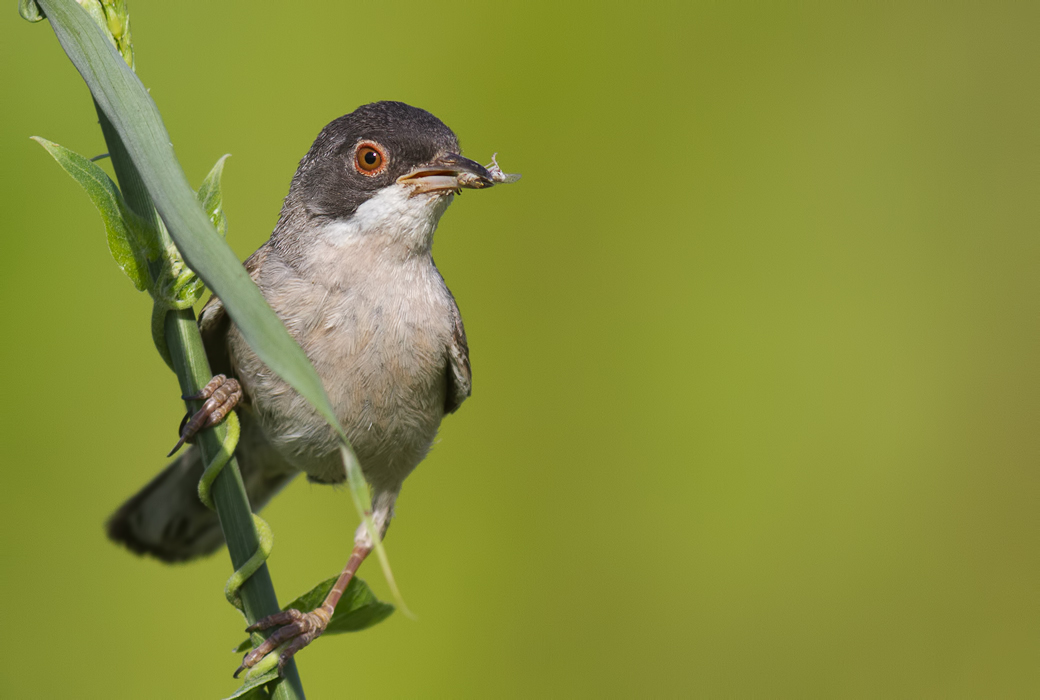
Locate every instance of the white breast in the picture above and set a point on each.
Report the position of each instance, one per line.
(372, 313)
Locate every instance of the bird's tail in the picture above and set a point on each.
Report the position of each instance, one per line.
(167, 520)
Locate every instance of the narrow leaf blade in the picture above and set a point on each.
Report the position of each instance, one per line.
(121, 224)
(132, 112)
(363, 504)
(211, 198)
(253, 688)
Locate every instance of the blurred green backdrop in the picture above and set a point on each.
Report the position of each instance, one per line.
(754, 341)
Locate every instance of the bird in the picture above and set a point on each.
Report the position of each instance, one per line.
(349, 270)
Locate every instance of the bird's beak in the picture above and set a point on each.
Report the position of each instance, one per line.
(447, 173)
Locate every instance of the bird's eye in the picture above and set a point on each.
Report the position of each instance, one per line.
(369, 158)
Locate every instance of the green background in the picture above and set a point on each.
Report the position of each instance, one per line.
(754, 340)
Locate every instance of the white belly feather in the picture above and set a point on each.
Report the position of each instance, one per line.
(376, 328)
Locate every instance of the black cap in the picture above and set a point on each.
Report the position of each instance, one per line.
(327, 183)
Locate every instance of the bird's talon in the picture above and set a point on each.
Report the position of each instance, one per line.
(208, 390)
(221, 396)
(280, 618)
(295, 630)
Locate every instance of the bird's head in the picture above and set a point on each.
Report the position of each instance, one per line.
(386, 168)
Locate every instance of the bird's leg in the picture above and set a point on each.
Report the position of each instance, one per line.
(300, 629)
(221, 395)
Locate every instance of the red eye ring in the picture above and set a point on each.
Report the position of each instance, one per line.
(369, 158)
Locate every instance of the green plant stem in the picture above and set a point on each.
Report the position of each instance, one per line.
(193, 372)
(133, 115)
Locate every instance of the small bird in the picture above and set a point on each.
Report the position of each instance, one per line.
(349, 271)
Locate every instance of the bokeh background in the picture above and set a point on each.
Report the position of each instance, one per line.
(755, 345)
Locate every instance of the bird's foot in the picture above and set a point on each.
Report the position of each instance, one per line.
(221, 395)
(297, 628)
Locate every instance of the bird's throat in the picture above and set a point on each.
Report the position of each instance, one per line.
(393, 219)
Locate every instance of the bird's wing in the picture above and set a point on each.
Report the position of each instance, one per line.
(214, 322)
(459, 373)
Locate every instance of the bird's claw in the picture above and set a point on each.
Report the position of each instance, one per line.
(297, 628)
(221, 396)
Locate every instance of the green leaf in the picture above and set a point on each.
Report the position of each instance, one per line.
(133, 114)
(29, 10)
(209, 196)
(357, 610)
(128, 238)
(359, 615)
(122, 97)
(253, 688)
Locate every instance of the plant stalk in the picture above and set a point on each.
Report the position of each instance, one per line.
(193, 372)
